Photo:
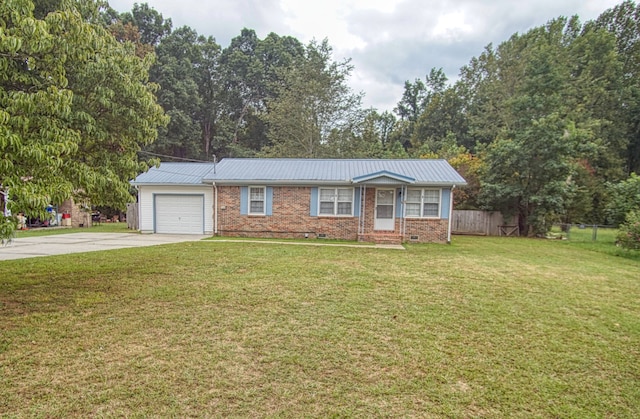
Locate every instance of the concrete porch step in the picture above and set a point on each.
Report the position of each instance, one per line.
(381, 238)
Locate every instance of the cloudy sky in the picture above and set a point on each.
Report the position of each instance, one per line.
(389, 41)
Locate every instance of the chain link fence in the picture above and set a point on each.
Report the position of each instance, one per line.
(585, 232)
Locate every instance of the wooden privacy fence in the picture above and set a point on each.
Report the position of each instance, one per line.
(132, 216)
(482, 223)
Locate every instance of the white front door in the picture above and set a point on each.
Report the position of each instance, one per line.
(385, 210)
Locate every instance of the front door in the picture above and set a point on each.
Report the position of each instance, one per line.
(385, 209)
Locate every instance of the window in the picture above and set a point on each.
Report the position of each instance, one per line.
(423, 203)
(256, 200)
(336, 201)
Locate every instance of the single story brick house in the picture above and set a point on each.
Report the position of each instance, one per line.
(387, 201)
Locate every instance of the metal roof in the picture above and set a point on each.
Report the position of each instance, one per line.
(336, 171)
(303, 172)
(174, 174)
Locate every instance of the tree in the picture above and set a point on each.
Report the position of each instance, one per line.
(313, 112)
(443, 116)
(152, 25)
(629, 235)
(211, 90)
(624, 198)
(179, 55)
(530, 162)
(75, 107)
(623, 21)
(413, 100)
(251, 70)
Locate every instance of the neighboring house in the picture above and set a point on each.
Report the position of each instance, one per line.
(389, 201)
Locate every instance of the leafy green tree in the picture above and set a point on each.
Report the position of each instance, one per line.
(251, 70)
(75, 107)
(209, 79)
(443, 116)
(153, 27)
(373, 138)
(416, 98)
(413, 100)
(313, 112)
(629, 235)
(175, 71)
(624, 197)
(623, 21)
(528, 164)
(542, 108)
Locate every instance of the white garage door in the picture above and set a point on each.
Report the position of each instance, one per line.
(179, 214)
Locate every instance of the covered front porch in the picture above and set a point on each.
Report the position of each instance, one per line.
(382, 215)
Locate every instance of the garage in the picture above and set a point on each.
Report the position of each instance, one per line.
(179, 214)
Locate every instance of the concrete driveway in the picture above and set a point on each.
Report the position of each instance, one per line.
(62, 244)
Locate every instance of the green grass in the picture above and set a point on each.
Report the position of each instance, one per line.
(102, 228)
(486, 327)
(603, 241)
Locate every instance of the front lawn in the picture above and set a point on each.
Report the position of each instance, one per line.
(99, 228)
(486, 327)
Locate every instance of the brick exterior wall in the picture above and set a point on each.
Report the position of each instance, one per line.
(426, 230)
(291, 219)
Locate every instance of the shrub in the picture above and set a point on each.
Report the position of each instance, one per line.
(7, 227)
(629, 235)
(624, 197)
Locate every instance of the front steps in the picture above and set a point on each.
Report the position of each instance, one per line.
(385, 237)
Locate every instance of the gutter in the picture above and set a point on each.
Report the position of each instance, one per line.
(313, 183)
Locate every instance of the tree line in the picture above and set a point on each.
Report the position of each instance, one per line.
(544, 126)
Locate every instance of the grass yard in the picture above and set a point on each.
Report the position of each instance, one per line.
(486, 327)
(101, 228)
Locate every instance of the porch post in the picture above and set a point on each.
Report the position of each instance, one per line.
(403, 230)
(363, 212)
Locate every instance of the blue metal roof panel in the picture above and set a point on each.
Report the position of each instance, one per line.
(330, 170)
(174, 174)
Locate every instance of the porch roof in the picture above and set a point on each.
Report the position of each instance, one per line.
(383, 177)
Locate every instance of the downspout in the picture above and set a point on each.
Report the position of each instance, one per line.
(450, 214)
(215, 209)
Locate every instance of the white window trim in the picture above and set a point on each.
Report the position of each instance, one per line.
(335, 202)
(422, 203)
(264, 200)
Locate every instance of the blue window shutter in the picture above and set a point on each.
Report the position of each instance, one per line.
(244, 200)
(269, 201)
(314, 202)
(398, 203)
(445, 204)
(356, 202)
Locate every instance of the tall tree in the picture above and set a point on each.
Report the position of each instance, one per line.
(152, 25)
(175, 71)
(623, 21)
(251, 68)
(74, 117)
(544, 127)
(313, 111)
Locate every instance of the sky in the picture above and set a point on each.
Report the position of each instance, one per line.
(387, 41)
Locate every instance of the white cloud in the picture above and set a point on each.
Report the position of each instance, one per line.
(390, 41)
